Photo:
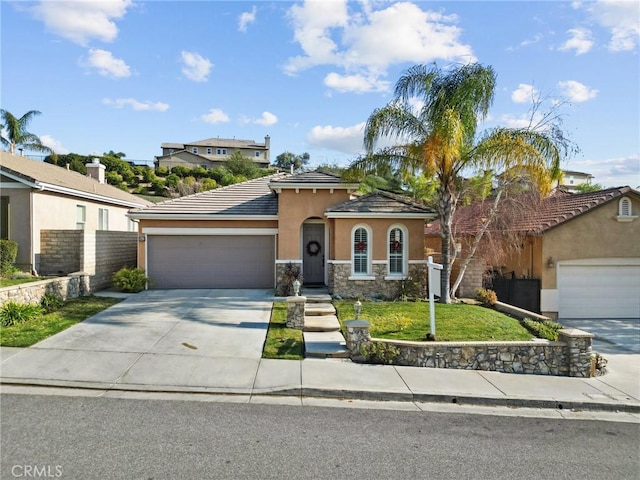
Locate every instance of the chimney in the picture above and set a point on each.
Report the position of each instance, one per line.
(96, 170)
(267, 145)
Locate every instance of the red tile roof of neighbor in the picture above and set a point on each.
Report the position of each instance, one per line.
(560, 207)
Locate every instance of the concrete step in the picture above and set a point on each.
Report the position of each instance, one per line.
(325, 345)
(319, 298)
(312, 309)
(321, 323)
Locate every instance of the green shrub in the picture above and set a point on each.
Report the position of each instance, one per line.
(379, 352)
(546, 329)
(131, 280)
(8, 253)
(486, 297)
(51, 302)
(408, 289)
(12, 313)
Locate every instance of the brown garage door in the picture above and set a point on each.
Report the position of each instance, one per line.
(211, 261)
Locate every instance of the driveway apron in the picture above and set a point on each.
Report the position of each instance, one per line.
(612, 336)
(208, 340)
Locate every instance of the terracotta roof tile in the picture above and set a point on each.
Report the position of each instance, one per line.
(380, 202)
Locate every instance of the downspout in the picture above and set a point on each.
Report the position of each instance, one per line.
(32, 252)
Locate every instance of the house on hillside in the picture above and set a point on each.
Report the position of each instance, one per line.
(571, 180)
(212, 152)
(54, 214)
(581, 250)
(245, 235)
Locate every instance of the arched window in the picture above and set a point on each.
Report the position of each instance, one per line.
(361, 249)
(397, 250)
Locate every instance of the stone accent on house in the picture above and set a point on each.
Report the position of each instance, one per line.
(341, 284)
(570, 356)
(295, 312)
(71, 286)
(284, 289)
(472, 279)
(99, 254)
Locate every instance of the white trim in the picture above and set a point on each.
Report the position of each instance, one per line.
(380, 215)
(339, 262)
(209, 231)
(196, 216)
(417, 262)
(405, 249)
(361, 277)
(287, 261)
(367, 228)
(378, 262)
(395, 277)
(7, 185)
(602, 261)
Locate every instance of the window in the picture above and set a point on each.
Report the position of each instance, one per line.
(624, 207)
(81, 217)
(361, 249)
(397, 249)
(194, 149)
(103, 219)
(256, 154)
(209, 151)
(221, 151)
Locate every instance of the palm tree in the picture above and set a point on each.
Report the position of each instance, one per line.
(439, 139)
(17, 134)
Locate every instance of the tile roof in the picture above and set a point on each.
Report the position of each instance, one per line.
(47, 174)
(560, 207)
(250, 198)
(315, 176)
(380, 202)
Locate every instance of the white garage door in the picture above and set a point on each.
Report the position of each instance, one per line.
(599, 290)
(211, 261)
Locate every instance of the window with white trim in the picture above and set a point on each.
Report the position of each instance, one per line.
(256, 154)
(209, 151)
(397, 248)
(103, 219)
(361, 247)
(624, 207)
(81, 217)
(221, 151)
(194, 150)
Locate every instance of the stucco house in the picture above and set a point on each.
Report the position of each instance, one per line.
(244, 235)
(583, 248)
(571, 180)
(212, 152)
(39, 197)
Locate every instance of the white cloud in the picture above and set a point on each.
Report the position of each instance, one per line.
(246, 18)
(106, 64)
(53, 144)
(136, 105)
(266, 119)
(196, 67)
(536, 38)
(342, 139)
(355, 83)
(576, 91)
(521, 121)
(365, 43)
(525, 94)
(214, 116)
(621, 18)
(611, 172)
(81, 21)
(580, 41)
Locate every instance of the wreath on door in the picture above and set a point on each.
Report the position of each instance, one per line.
(313, 248)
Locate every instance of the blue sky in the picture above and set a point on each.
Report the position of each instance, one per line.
(126, 76)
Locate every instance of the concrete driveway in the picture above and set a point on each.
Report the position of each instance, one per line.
(612, 336)
(186, 338)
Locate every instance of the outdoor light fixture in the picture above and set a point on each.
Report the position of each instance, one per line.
(550, 263)
(296, 287)
(357, 307)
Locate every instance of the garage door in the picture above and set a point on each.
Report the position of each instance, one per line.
(211, 261)
(599, 291)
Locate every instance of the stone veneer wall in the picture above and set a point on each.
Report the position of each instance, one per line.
(339, 283)
(281, 289)
(99, 254)
(570, 356)
(472, 279)
(72, 286)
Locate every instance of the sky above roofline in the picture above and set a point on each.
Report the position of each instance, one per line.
(127, 76)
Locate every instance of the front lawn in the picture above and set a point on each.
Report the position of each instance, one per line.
(454, 322)
(282, 342)
(74, 311)
(11, 281)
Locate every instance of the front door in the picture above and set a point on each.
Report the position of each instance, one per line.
(313, 255)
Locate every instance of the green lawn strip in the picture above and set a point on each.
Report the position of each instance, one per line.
(454, 322)
(282, 342)
(10, 282)
(74, 311)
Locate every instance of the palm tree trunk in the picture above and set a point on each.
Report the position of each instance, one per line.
(446, 209)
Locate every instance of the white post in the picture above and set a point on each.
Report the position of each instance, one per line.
(434, 288)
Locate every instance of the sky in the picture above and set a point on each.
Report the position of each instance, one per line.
(128, 75)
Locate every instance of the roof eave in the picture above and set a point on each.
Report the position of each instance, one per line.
(425, 215)
(196, 216)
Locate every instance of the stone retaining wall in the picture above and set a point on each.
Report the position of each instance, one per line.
(569, 356)
(340, 284)
(72, 286)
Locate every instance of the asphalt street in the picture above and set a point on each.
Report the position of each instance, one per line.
(107, 438)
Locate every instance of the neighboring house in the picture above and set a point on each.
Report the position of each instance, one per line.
(583, 248)
(37, 197)
(212, 152)
(570, 180)
(244, 235)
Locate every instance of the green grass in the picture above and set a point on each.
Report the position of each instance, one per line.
(74, 311)
(9, 282)
(454, 322)
(282, 342)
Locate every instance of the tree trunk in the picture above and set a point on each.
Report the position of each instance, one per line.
(446, 209)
